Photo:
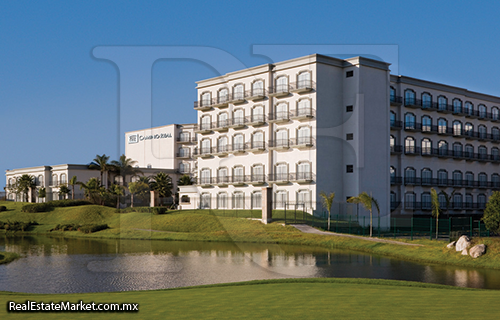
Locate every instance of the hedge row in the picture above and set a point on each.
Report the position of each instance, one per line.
(47, 206)
(86, 228)
(16, 225)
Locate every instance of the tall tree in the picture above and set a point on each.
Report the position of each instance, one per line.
(63, 191)
(93, 190)
(368, 202)
(24, 183)
(435, 208)
(73, 182)
(327, 202)
(163, 184)
(117, 191)
(185, 180)
(100, 163)
(125, 167)
(138, 187)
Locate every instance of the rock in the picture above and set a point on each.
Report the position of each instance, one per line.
(462, 243)
(477, 251)
(451, 245)
(464, 252)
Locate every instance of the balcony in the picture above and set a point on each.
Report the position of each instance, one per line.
(204, 152)
(186, 140)
(238, 98)
(256, 146)
(302, 142)
(396, 100)
(183, 155)
(396, 149)
(303, 114)
(221, 125)
(222, 181)
(237, 148)
(238, 180)
(221, 151)
(279, 91)
(396, 124)
(302, 86)
(238, 123)
(204, 128)
(203, 105)
(257, 179)
(396, 180)
(280, 178)
(206, 182)
(221, 102)
(279, 144)
(256, 94)
(257, 120)
(302, 177)
(279, 117)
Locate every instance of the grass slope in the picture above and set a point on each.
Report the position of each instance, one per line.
(201, 225)
(285, 299)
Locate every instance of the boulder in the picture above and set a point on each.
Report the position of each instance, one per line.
(451, 245)
(464, 252)
(462, 243)
(477, 251)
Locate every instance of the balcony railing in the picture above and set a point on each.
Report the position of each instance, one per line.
(396, 100)
(302, 86)
(186, 140)
(279, 90)
(280, 116)
(256, 94)
(303, 113)
(445, 182)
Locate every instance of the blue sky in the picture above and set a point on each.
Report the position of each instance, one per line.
(59, 104)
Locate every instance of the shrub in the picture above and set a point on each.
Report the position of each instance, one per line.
(36, 207)
(68, 203)
(159, 210)
(3, 208)
(89, 228)
(134, 209)
(65, 227)
(16, 225)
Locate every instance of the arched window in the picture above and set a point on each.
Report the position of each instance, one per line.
(410, 200)
(238, 142)
(304, 135)
(482, 132)
(457, 106)
(184, 167)
(495, 133)
(482, 111)
(223, 120)
(469, 151)
(39, 180)
(238, 117)
(457, 149)
(258, 172)
(206, 176)
(442, 177)
(442, 125)
(469, 129)
(481, 201)
(282, 138)
(238, 92)
(258, 88)
(222, 144)
(206, 99)
(393, 95)
(205, 201)
(184, 152)
(410, 145)
(223, 95)
(457, 128)
(222, 176)
(426, 100)
(258, 114)
(282, 84)
(410, 175)
(282, 111)
(281, 172)
(483, 179)
(468, 201)
(222, 200)
(494, 113)
(443, 148)
(238, 174)
(258, 140)
(483, 152)
(410, 121)
(443, 201)
(426, 176)
(442, 103)
(469, 178)
(495, 155)
(469, 108)
(304, 107)
(256, 200)
(206, 146)
(281, 198)
(304, 170)
(426, 124)
(457, 201)
(426, 146)
(457, 178)
(495, 180)
(410, 97)
(393, 118)
(426, 201)
(206, 122)
(304, 80)
(54, 181)
(393, 174)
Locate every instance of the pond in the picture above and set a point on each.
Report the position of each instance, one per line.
(70, 265)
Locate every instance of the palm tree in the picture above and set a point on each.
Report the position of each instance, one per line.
(163, 184)
(116, 190)
(185, 180)
(327, 202)
(93, 190)
(24, 183)
(100, 163)
(125, 166)
(139, 188)
(63, 191)
(72, 182)
(435, 208)
(367, 201)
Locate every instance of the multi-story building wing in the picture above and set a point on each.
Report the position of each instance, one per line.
(446, 138)
(300, 126)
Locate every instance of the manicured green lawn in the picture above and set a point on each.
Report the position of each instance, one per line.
(285, 299)
(203, 225)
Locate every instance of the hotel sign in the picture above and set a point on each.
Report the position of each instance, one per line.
(135, 138)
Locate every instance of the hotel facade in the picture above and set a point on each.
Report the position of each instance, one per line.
(321, 124)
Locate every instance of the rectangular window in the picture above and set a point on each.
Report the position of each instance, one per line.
(349, 108)
(349, 168)
(349, 74)
(349, 136)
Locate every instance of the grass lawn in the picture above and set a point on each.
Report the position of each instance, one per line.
(204, 225)
(284, 299)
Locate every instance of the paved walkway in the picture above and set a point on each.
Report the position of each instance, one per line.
(308, 229)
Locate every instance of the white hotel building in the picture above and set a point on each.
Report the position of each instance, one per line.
(318, 123)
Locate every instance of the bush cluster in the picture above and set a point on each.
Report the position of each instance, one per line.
(16, 225)
(3, 208)
(85, 228)
(159, 210)
(47, 206)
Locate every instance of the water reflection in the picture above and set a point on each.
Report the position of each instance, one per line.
(51, 265)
